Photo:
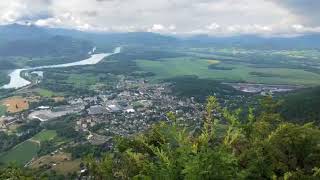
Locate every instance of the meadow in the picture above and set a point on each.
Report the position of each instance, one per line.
(25, 151)
(64, 163)
(227, 71)
(45, 135)
(21, 154)
(44, 92)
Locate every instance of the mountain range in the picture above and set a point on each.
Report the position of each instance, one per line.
(25, 38)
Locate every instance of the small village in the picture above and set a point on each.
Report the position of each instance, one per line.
(132, 107)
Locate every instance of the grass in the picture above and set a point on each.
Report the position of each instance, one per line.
(68, 166)
(63, 161)
(45, 93)
(45, 135)
(83, 80)
(25, 151)
(168, 68)
(21, 154)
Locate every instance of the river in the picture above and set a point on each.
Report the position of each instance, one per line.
(16, 81)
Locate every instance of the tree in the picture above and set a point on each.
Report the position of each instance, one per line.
(261, 147)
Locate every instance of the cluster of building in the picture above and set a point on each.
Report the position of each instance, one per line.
(263, 89)
(46, 113)
(133, 107)
(6, 121)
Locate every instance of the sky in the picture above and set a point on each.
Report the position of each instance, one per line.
(213, 17)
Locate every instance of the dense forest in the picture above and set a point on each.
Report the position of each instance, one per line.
(200, 89)
(263, 146)
(303, 106)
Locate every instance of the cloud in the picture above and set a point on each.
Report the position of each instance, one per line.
(157, 27)
(298, 28)
(307, 10)
(213, 26)
(23, 10)
(216, 17)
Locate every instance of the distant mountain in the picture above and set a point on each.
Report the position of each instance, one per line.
(17, 32)
(20, 36)
(33, 41)
(121, 39)
(153, 39)
(47, 46)
(253, 41)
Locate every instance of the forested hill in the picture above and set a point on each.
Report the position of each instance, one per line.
(263, 146)
(303, 106)
(47, 46)
(107, 40)
(311, 41)
(17, 32)
(32, 41)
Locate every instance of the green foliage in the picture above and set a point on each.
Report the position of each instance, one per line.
(26, 131)
(83, 150)
(15, 173)
(262, 147)
(20, 154)
(200, 89)
(303, 105)
(63, 127)
(45, 135)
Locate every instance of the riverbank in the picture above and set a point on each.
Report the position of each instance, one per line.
(16, 81)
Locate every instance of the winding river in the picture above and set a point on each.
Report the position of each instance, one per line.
(16, 81)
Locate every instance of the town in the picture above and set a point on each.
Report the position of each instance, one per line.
(132, 107)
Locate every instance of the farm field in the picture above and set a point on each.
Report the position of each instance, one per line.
(25, 151)
(80, 80)
(60, 162)
(168, 68)
(21, 154)
(44, 135)
(15, 104)
(44, 92)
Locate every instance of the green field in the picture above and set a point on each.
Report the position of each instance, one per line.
(25, 151)
(45, 92)
(3, 110)
(45, 135)
(83, 80)
(20, 154)
(168, 68)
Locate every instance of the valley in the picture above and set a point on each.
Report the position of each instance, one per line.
(58, 108)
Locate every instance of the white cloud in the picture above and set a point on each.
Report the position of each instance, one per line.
(217, 17)
(213, 26)
(157, 27)
(298, 28)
